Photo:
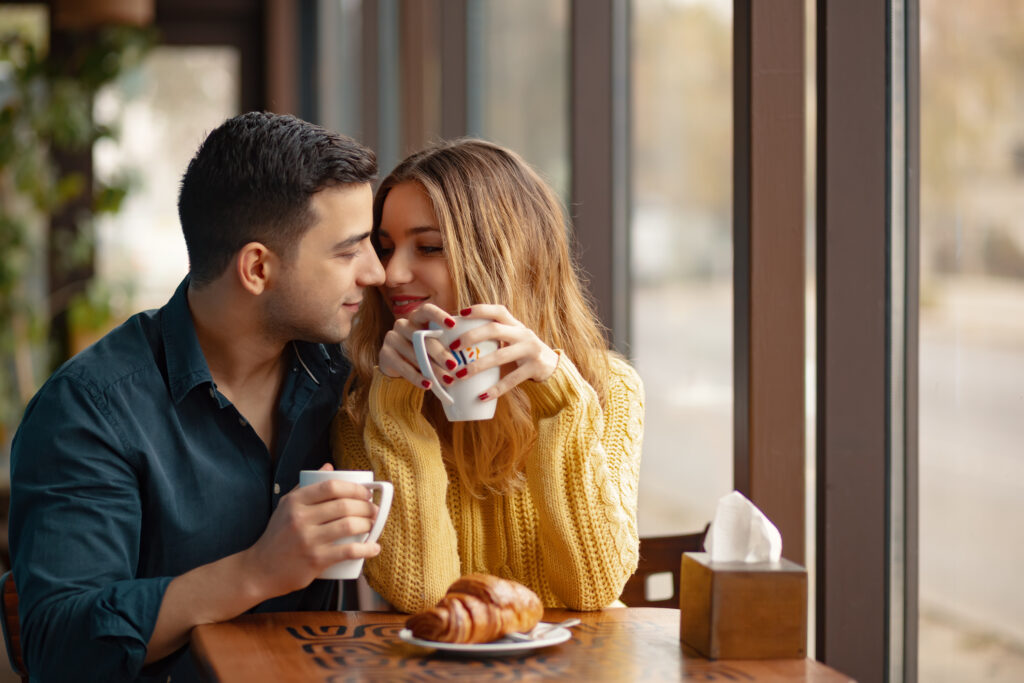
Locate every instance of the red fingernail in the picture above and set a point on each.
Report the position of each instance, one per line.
(454, 345)
(449, 322)
(461, 373)
(451, 364)
(447, 379)
(483, 396)
(465, 311)
(426, 383)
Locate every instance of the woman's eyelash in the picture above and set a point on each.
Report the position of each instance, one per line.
(426, 249)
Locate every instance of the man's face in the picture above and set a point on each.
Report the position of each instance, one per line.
(320, 287)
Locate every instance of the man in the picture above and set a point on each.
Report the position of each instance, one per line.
(153, 474)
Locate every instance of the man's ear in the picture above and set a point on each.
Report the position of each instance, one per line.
(255, 265)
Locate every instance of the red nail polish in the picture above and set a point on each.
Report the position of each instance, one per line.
(465, 311)
(426, 383)
(449, 322)
(461, 373)
(483, 396)
(454, 345)
(451, 364)
(447, 379)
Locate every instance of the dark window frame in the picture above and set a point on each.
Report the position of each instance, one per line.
(860, 456)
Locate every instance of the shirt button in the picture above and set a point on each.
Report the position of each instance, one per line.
(213, 393)
(277, 488)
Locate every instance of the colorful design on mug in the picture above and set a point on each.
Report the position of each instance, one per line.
(468, 355)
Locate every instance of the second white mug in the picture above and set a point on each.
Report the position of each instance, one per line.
(350, 569)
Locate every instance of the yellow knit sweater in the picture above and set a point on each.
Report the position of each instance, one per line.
(570, 534)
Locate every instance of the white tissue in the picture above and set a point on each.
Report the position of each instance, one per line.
(741, 533)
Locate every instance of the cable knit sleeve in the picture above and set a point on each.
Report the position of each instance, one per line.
(583, 477)
(419, 556)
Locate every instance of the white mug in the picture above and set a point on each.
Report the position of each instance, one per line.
(350, 569)
(461, 398)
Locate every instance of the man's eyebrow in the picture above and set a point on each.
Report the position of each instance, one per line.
(351, 241)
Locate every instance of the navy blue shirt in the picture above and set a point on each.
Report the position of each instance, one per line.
(130, 468)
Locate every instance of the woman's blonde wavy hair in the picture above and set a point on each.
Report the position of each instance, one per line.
(506, 240)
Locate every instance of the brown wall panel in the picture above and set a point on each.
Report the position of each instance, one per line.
(282, 56)
(421, 73)
(770, 458)
(777, 268)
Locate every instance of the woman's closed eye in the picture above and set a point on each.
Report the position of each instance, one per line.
(429, 249)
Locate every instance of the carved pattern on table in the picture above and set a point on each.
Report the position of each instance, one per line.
(374, 652)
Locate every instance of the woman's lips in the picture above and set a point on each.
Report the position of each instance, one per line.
(402, 306)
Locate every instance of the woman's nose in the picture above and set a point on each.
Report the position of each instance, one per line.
(396, 270)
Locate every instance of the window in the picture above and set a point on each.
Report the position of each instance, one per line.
(681, 232)
(972, 342)
(518, 81)
(165, 111)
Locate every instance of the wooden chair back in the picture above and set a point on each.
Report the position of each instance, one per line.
(12, 625)
(658, 555)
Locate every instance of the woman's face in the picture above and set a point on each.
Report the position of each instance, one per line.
(412, 252)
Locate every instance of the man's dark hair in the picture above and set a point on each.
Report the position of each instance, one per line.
(252, 180)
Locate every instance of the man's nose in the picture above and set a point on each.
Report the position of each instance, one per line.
(373, 274)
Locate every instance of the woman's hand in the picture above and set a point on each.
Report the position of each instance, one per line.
(397, 357)
(517, 344)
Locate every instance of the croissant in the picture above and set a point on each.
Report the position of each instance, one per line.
(478, 608)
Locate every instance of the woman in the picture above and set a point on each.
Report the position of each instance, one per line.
(545, 492)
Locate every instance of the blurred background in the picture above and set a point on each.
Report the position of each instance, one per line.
(98, 124)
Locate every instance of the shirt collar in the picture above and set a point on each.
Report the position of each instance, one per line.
(186, 365)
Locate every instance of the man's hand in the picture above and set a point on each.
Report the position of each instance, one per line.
(299, 542)
(296, 547)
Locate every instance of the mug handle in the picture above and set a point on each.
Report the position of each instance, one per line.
(384, 507)
(418, 342)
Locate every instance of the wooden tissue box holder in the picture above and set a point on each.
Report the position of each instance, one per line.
(736, 610)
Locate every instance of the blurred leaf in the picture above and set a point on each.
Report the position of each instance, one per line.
(47, 105)
(108, 198)
(69, 187)
(90, 310)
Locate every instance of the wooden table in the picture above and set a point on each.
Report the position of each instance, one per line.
(629, 644)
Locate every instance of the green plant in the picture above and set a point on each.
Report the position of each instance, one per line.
(45, 111)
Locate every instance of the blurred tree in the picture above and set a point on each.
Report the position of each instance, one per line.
(683, 62)
(46, 111)
(523, 82)
(972, 93)
(682, 140)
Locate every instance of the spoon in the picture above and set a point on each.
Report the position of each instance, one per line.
(540, 630)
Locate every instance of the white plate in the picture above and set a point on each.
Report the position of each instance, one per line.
(503, 647)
